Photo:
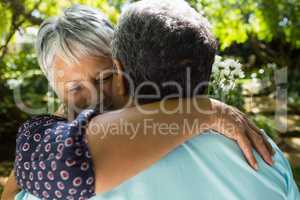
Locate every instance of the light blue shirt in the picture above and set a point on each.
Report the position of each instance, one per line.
(208, 167)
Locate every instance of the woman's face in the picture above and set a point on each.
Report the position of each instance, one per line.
(85, 83)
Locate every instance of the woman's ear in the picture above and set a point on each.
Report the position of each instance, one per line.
(119, 78)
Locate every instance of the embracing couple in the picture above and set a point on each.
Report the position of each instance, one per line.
(136, 124)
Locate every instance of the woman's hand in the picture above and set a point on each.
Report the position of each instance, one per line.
(11, 188)
(233, 124)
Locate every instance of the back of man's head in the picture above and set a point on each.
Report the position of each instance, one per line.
(163, 41)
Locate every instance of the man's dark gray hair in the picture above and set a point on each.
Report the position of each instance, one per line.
(163, 41)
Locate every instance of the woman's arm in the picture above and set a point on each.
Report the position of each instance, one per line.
(11, 188)
(122, 143)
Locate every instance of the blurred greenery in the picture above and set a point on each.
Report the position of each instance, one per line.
(297, 175)
(264, 35)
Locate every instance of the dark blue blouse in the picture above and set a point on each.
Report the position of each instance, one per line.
(52, 158)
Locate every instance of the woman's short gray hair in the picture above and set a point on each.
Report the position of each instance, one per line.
(79, 31)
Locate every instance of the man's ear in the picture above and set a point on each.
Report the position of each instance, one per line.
(119, 78)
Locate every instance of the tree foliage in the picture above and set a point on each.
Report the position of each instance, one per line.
(266, 20)
(266, 29)
(272, 27)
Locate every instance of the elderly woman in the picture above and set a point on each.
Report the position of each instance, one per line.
(53, 158)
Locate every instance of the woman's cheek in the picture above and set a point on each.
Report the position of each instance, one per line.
(85, 99)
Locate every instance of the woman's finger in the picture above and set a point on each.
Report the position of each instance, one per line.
(255, 135)
(260, 145)
(246, 148)
(259, 132)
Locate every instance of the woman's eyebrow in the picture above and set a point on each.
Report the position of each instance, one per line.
(76, 80)
(68, 81)
(105, 67)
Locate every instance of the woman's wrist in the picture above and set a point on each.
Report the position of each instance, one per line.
(216, 117)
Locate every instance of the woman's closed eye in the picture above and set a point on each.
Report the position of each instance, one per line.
(74, 87)
(104, 79)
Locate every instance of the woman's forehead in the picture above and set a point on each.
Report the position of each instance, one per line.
(84, 65)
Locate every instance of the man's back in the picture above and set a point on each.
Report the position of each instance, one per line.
(209, 167)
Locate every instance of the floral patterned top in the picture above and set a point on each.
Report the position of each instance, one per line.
(52, 158)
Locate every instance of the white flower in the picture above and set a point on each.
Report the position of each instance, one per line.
(13, 83)
(218, 59)
(227, 85)
(225, 72)
(261, 71)
(253, 75)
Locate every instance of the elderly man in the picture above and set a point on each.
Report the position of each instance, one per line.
(157, 42)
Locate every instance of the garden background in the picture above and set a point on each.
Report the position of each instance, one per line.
(263, 35)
